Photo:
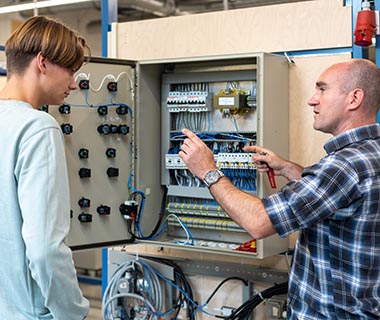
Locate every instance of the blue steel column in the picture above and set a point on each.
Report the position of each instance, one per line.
(104, 270)
(109, 15)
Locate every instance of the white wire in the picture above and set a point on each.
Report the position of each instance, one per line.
(82, 75)
(108, 76)
(188, 238)
(129, 78)
(124, 73)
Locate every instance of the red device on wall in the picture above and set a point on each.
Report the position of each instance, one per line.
(365, 26)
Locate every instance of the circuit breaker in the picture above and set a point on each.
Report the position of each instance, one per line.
(122, 131)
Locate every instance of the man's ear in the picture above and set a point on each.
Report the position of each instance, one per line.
(356, 97)
(41, 63)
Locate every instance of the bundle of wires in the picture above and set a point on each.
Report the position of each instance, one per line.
(134, 225)
(135, 289)
(184, 296)
(125, 295)
(245, 310)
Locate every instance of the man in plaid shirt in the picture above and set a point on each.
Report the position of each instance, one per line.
(335, 204)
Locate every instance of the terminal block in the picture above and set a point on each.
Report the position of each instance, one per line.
(222, 160)
(235, 161)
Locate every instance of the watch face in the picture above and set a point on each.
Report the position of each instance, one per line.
(212, 176)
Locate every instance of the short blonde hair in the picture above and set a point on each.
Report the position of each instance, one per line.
(57, 42)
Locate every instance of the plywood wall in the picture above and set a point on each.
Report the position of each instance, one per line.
(306, 143)
(308, 25)
(304, 25)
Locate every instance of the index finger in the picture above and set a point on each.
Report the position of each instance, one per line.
(261, 150)
(190, 134)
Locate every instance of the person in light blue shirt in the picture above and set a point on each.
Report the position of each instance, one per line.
(334, 204)
(37, 275)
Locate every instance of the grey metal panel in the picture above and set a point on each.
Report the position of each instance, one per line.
(99, 188)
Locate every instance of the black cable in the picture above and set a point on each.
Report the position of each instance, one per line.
(246, 309)
(136, 221)
(181, 281)
(223, 282)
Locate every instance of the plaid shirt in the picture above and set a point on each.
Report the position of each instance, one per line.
(336, 206)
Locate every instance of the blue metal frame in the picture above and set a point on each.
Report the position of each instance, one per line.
(3, 72)
(109, 15)
(104, 270)
(89, 280)
(317, 51)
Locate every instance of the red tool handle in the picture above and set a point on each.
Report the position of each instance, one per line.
(271, 178)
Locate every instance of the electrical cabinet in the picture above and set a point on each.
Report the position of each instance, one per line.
(123, 134)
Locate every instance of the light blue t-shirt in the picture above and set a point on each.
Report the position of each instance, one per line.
(37, 275)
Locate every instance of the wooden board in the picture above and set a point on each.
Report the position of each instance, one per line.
(286, 27)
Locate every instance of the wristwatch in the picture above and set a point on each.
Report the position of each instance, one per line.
(212, 176)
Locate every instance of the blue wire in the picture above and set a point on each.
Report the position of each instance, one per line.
(111, 97)
(86, 99)
(142, 202)
(178, 288)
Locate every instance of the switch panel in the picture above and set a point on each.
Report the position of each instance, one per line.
(102, 118)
